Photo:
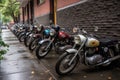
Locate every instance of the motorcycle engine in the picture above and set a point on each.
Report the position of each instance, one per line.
(93, 56)
(95, 59)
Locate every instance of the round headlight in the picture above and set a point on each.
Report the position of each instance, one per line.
(39, 28)
(52, 32)
(77, 40)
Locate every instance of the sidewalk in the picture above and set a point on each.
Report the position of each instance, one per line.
(19, 63)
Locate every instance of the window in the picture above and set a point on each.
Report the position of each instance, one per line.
(40, 2)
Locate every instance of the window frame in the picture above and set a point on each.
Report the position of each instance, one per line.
(39, 2)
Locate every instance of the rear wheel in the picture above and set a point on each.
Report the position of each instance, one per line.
(62, 66)
(41, 50)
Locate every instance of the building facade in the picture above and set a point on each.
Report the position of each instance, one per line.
(87, 14)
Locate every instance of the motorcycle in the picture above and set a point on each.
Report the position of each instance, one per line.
(90, 50)
(17, 29)
(57, 39)
(24, 32)
(43, 32)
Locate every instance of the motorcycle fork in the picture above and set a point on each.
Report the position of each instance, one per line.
(77, 53)
(49, 44)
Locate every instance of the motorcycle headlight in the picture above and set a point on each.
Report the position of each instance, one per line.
(34, 35)
(52, 32)
(20, 27)
(77, 40)
(39, 28)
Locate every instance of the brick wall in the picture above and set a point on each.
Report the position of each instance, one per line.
(41, 9)
(102, 13)
(63, 3)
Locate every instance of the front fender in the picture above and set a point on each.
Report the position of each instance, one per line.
(23, 33)
(71, 51)
(44, 40)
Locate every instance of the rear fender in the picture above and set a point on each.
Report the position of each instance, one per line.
(23, 33)
(45, 40)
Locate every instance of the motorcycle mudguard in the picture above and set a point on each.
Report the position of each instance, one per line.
(28, 33)
(71, 50)
(45, 40)
(22, 33)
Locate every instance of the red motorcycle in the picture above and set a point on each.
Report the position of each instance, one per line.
(59, 39)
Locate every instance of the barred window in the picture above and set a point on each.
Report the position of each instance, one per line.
(40, 2)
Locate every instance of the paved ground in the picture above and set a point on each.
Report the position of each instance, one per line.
(20, 64)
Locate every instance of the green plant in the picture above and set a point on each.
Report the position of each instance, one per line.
(3, 47)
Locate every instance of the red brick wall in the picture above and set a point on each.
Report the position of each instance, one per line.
(41, 9)
(63, 3)
(45, 7)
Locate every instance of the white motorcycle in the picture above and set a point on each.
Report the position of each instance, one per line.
(90, 51)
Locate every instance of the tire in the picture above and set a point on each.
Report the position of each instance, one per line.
(40, 53)
(21, 38)
(67, 57)
(27, 40)
(33, 44)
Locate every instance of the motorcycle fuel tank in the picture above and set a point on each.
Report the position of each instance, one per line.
(62, 34)
(92, 42)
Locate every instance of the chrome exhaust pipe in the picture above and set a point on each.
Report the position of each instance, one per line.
(109, 60)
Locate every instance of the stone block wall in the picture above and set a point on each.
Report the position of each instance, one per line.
(104, 14)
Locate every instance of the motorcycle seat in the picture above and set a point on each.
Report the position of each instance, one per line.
(106, 41)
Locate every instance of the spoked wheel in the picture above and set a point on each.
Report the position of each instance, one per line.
(43, 49)
(21, 38)
(63, 67)
(33, 44)
(27, 40)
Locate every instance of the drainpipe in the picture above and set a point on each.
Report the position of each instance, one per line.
(55, 12)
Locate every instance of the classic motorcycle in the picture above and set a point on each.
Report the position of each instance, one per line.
(57, 39)
(24, 32)
(89, 50)
(43, 32)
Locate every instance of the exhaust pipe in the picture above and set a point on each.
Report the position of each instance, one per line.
(109, 60)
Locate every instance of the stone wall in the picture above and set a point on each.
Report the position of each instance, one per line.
(45, 20)
(104, 14)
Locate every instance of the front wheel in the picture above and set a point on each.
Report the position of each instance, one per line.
(62, 66)
(33, 44)
(21, 37)
(43, 49)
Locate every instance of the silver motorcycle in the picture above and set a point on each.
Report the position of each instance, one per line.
(90, 51)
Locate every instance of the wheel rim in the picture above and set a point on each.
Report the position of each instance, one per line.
(28, 40)
(33, 46)
(64, 67)
(22, 38)
(42, 51)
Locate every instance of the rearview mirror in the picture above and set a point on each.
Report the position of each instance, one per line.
(96, 28)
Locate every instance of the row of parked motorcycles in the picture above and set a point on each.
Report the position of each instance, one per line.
(88, 49)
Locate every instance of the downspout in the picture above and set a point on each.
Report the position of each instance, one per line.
(55, 12)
